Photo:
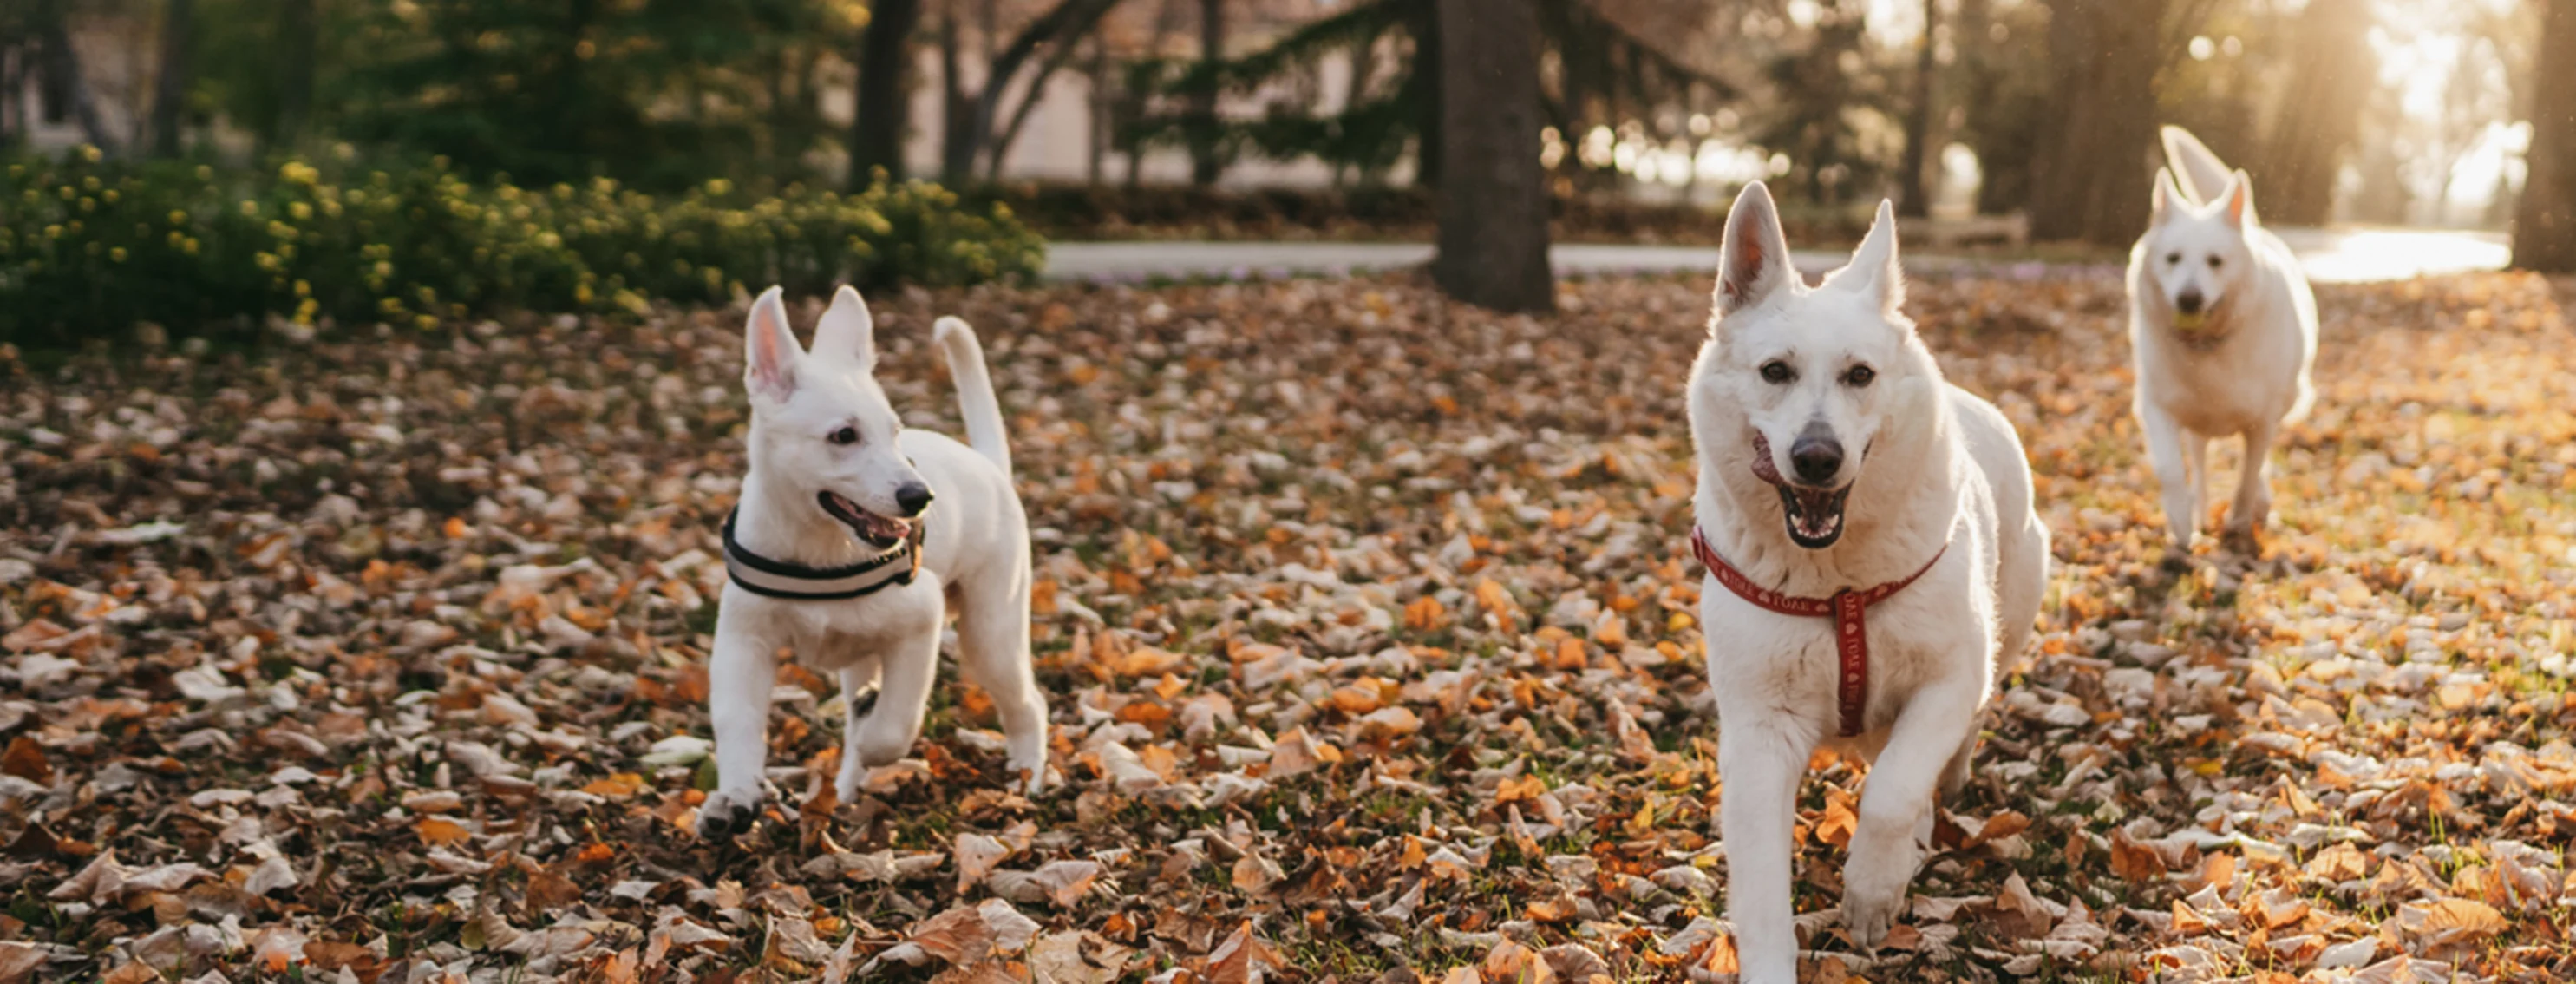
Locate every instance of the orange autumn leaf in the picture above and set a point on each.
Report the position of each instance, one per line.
(617, 786)
(440, 831)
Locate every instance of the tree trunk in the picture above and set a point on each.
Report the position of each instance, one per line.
(1913, 193)
(956, 142)
(1098, 131)
(1428, 79)
(1062, 24)
(2544, 231)
(61, 73)
(1204, 165)
(883, 102)
(1492, 194)
(13, 92)
(2091, 182)
(170, 84)
(299, 44)
(2330, 78)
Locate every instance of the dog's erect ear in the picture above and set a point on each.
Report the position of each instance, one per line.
(1755, 260)
(1873, 268)
(847, 330)
(2169, 196)
(2237, 202)
(770, 352)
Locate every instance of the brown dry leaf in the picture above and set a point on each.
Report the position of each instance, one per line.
(977, 854)
(1077, 957)
(1242, 958)
(2135, 862)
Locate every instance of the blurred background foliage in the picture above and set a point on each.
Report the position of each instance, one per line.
(2034, 117)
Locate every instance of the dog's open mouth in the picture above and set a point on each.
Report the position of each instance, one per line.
(1815, 515)
(881, 532)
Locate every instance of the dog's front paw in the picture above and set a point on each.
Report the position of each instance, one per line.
(726, 814)
(1028, 778)
(1868, 920)
(1870, 909)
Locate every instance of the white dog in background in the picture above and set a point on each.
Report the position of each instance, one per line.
(2223, 328)
(835, 554)
(1847, 494)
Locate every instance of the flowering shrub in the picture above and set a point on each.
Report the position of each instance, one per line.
(89, 247)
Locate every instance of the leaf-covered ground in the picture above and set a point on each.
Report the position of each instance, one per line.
(1369, 640)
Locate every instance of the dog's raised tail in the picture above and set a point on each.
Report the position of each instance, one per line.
(2202, 174)
(975, 400)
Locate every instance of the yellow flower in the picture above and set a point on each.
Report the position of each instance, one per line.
(249, 208)
(300, 211)
(117, 254)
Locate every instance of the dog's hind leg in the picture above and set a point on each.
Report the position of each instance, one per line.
(1761, 767)
(740, 674)
(1895, 802)
(2254, 485)
(2164, 450)
(993, 653)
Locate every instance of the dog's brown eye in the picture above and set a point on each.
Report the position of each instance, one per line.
(846, 435)
(1859, 376)
(2173, 258)
(1776, 371)
(2215, 262)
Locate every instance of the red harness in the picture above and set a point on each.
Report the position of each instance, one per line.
(1851, 632)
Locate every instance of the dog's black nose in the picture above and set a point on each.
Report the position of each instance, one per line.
(1816, 459)
(912, 498)
(2190, 301)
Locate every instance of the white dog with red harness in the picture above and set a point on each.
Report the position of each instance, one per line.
(1862, 585)
(837, 555)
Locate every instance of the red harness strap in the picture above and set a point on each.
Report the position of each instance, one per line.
(1847, 608)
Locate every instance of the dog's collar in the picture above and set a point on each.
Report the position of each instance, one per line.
(796, 582)
(1847, 607)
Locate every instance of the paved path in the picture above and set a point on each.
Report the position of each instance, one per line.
(2331, 256)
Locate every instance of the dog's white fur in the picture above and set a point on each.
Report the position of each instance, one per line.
(1935, 465)
(2244, 371)
(975, 547)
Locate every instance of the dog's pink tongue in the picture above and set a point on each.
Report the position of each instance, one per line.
(1816, 504)
(886, 528)
(1762, 467)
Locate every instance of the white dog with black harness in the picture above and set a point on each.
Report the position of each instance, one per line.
(835, 555)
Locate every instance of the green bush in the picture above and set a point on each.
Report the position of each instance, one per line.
(89, 247)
